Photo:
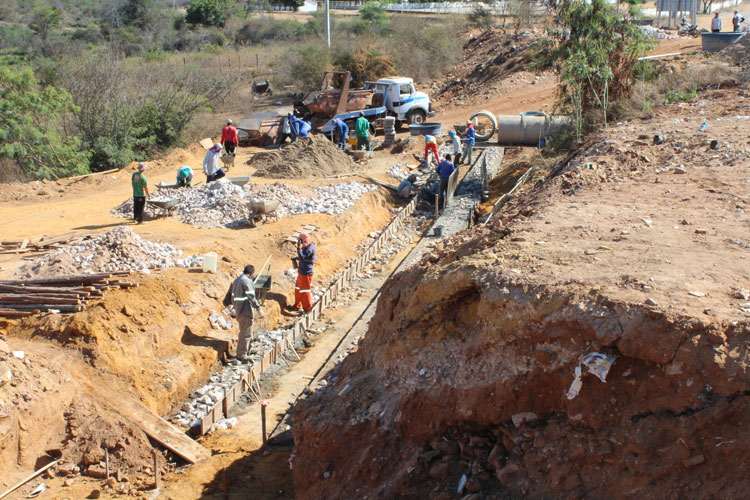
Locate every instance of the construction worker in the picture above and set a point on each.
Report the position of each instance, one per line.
(457, 149)
(342, 130)
(211, 163)
(245, 307)
(184, 176)
(407, 187)
(362, 131)
(229, 137)
(444, 169)
(430, 146)
(468, 142)
(140, 192)
(737, 19)
(285, 130)
(716, 23)
(306, 254)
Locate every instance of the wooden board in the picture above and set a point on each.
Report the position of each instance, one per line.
(158, 429)
(207, 143)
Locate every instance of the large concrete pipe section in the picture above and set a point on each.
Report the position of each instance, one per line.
(527, 128)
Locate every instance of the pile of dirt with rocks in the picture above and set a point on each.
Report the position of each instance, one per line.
(591, 341)
(120, 249)
(307, 157)
(738, 53)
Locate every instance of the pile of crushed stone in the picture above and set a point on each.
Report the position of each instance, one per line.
(223, 204)
(308, 157)
(120, 249)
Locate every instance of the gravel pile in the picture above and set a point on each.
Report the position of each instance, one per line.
(398, 171)
(120, 249)
(223, 204)
(307, 157)
(658, 33)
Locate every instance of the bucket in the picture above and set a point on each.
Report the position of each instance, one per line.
(295, 262)
(210, 262)
(437, 231)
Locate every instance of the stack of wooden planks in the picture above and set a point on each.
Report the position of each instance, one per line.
(42, 244)
(65, 294)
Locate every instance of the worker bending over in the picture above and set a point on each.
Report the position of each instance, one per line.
(430, 146)
(211, 164)
(342, 131)
(184, 176)
(303, 288)
(407, 186)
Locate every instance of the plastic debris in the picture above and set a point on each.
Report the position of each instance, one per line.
(597, 364)
(462, 483)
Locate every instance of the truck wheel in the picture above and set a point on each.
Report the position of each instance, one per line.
(485, 125)
(417, 116)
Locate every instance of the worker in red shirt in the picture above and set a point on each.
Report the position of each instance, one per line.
(229, 140)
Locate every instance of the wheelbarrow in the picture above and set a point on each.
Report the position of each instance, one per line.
(167, 205)
(167, 185)
(239, 181)
(262, 282)
(228, 160)
(260, 211)
(262, 88)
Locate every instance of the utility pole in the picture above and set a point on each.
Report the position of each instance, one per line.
(328, 24)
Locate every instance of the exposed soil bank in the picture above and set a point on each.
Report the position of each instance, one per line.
(467, 363)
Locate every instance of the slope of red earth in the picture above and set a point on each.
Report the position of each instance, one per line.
(629, 248)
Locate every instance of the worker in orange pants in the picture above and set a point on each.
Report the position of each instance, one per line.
(303, 288)
(430, 146)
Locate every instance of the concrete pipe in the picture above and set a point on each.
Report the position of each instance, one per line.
(527, 128)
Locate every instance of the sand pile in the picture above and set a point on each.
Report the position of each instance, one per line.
(308, 157)
(120, 249)
(738, 53)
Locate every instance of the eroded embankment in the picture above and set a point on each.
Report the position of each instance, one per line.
(467, 364)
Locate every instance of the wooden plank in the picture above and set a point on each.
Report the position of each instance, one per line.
(24, 244)
(206, 143)
(156, 427)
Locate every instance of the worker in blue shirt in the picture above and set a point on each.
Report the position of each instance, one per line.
(444, 169)
(469, 142)
(342, 129)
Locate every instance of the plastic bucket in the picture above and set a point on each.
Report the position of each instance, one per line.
(437, 231)
(210, 262)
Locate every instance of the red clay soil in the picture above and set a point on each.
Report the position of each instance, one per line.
(629, 248)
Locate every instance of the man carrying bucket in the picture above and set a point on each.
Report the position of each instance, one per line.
(306, 254)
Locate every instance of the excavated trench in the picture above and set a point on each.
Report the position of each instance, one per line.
(465, 385)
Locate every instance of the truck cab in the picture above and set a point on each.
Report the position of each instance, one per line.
(398, 95)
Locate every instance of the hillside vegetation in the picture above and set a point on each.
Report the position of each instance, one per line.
(101, 84)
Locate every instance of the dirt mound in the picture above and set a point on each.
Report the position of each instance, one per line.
(489, 59)
(478, 372)
(308, 157)
(738, 53)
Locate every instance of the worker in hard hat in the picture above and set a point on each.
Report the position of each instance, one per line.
(430, 146)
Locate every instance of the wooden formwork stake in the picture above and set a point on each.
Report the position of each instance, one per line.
(437, 205)
(263, 420)
(157, 478)
(106, 461)
(295, 352)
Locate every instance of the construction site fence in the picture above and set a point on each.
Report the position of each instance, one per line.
(498, 8)
(294, 336)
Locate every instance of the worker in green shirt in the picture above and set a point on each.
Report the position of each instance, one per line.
(362, 131)
(140, 192)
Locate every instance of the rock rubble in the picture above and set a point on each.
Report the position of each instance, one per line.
(223, 204)
(120, 249)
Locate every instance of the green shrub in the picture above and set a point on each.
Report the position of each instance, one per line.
(207, 12)
(29, 120)
(677, 96)
(305, 66)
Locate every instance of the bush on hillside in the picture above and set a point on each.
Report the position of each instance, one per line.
(29, 121)
(207, 12)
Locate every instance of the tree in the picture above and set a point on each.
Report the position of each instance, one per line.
(29, 121)
(595, 53)
(374, 12)
(207, 12)
(43, 19)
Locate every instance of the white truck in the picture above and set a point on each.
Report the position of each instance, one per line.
(401, 99)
